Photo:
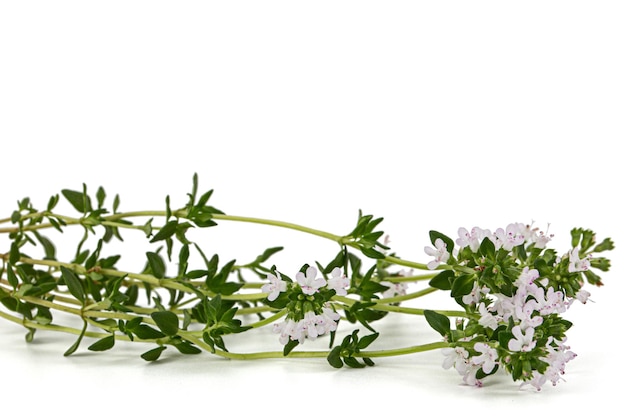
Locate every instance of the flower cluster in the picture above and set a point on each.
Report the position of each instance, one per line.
(309, 313)
(514, 291)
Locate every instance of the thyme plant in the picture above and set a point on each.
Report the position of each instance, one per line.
(511, 288)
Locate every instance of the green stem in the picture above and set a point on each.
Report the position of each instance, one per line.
(399, 309)
(413, 278)
(403, 351)
(405, 297)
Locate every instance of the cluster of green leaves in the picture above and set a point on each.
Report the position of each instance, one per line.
(366, 238)
(219, 319)
(92, 280)
(349, 350)
(26, 282)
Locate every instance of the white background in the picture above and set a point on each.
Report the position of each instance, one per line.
(433, 115)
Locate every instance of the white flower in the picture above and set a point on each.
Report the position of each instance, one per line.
(553, 301)
(527, 279)
(509, 238)
(288, 329)
(456, 356)
(487, 319)
(576, 264)
(338, 282)
(523, 342)
(487, 359)
(440, 253)
(472, 239)
(274, 287)
(556, 359)
(308, 282)
(541, 239)
(475, 295)
(524, 313)
(308, 325)
(583, 296)
(329, 320)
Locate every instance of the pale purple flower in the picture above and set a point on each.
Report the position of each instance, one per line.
(487, 359)
(557, 358)
(308, 282)
(308, 325)
(288, 329)
(524, 312)
(338, 281)
(475, 295)
(274, 287)
(440, 252)
(527, 279)
(487, 319)
(470, 375)
(583, 296)
(540, 238)
(509, 238)
(523, 341)
(472, 239)
(576, 264)
(329, 320)
(552, 301)
(457, 357)
(504, 306)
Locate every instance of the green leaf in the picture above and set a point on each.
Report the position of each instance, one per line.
(353, 362)
(16, 216)
(443, 280)
(266, 255)
(14, 254)
(154, 354)
(487, 249)
(334, 358)
(368, 361)
(167, 231)
(73, 348)
(187, 348)
(365, 341)
(166, 321)
(78, 200)
(291, 344)
(100, 196)
(116, 203)
(48, 246)
(462, 285)
(157, 264)
(52, 202)
(439, 322)
(103, 344)
(11, 277)
(372, 253)
(145, 332)
(73, 284)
